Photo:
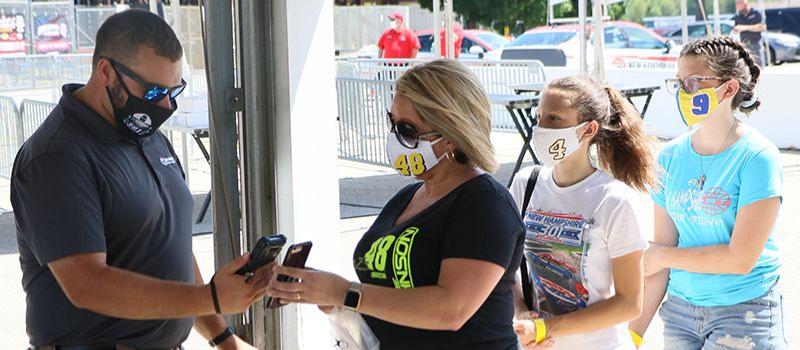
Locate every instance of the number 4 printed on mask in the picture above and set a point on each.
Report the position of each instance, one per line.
(558, 150)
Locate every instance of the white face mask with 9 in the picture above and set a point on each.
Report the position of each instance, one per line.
(553, 145)
(411, 162)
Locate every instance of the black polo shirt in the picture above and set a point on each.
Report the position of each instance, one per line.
(78, 186)
(754, 16)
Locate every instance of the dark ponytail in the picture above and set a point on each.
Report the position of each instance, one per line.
(729, 59)
(623, 147)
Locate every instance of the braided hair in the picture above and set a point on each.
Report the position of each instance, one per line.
(729, 59)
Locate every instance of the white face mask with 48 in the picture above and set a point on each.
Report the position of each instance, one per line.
(553, 145)
(411, 162)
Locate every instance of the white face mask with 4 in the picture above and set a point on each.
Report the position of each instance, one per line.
(411, 162)
(553, 145)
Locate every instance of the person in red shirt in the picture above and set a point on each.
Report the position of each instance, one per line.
(457, 39)
(398, 42)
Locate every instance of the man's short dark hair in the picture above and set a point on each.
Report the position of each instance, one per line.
(123, 34)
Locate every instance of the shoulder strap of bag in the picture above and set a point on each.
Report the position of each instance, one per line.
(526, 277)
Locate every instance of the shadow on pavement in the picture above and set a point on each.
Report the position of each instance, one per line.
(367, 195)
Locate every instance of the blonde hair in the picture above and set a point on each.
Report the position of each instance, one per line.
(449, 98)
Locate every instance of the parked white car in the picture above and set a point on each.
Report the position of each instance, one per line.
(627, 45)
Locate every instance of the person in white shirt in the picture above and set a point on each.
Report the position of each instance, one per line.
(584, 244)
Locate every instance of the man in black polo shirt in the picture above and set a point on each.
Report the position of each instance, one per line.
(750, 23)
(104, 215)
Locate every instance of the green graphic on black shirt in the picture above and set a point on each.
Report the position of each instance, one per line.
(376, 258)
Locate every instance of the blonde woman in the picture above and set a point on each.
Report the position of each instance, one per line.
(438, 264)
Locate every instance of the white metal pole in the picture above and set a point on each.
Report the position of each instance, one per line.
(448, 20)
(717, 30)
(766, 56)
(175, 6)
(437, 27)
(582, 19)
(550, 12)
(684, 22)
(599, 60)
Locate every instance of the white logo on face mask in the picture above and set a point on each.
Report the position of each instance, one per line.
(411, 162)
(142, 120)
(139, 123)
(554, 145)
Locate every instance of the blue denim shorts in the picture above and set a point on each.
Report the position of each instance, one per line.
(753, 324)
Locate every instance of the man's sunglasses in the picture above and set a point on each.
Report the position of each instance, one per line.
(152, 91)
(406, 133)
(690, 84)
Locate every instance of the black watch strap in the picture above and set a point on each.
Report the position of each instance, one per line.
(227, 333)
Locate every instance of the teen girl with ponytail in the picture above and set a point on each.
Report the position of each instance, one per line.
(715, 213)
(582, 236)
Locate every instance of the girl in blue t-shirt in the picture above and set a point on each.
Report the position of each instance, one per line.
(715, 212)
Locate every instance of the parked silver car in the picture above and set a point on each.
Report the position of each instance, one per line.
(783, 47)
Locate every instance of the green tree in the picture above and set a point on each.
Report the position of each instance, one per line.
(636, 10)
(498, 13)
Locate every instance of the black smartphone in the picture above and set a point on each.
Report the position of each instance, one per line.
(296, 256)
(266, 250)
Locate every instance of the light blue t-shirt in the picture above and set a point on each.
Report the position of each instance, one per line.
(748, 171)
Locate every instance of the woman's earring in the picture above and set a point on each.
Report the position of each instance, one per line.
(450, 155)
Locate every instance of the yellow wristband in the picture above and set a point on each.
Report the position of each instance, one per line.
(637, 339)
(541, 329)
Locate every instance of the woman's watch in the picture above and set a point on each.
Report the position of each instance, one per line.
(352, 298)
(222, 337)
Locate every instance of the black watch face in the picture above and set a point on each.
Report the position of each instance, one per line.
(351, 299)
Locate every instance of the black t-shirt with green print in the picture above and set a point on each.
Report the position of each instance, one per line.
(478, 220)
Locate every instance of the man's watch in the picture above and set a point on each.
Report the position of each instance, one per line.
(352, 298)
(222, 337)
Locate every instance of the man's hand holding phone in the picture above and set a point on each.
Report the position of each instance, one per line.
(245, 280)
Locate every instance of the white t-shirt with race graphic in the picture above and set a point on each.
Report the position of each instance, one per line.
(598, 212)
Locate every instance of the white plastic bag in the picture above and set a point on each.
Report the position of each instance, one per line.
(351, 332)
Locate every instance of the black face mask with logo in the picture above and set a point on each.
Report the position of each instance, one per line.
(139, 118)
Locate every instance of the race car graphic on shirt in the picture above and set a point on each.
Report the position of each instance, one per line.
(554, 251)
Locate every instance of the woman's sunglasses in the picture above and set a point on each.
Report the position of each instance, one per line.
(690, 84)
(152, 91)
(406, 133)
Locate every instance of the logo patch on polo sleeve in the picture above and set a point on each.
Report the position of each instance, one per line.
(166, 161)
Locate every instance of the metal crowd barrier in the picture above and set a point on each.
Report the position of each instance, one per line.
(497, 77)
(27, 72)
(362, 106)
(10, 137)
(33, 114)
(16, 126)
